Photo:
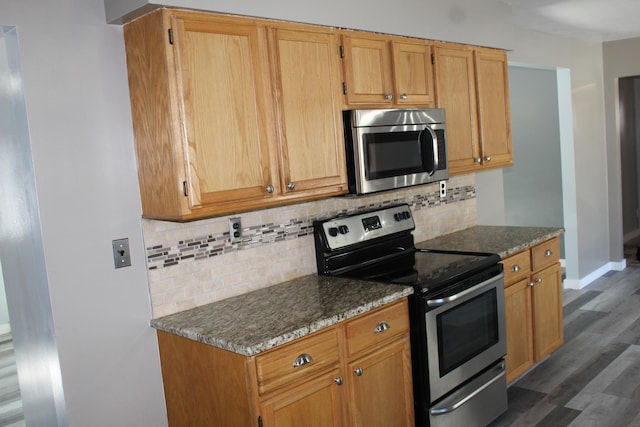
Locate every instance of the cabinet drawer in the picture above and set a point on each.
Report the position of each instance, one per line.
(545, 253)
(516, 267)
(377, 326)
(294, 361)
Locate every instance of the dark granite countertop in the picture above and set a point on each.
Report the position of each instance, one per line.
(501, 240)
(257, 321)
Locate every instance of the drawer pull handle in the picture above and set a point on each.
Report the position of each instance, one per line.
(515, 268)
(548, 253)
(381, 327)
(302, 360)
(338, 380)
(358, 372)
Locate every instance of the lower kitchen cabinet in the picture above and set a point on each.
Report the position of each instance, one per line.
(380, 387)
(533, 304)
(314, 403)
(355, 373)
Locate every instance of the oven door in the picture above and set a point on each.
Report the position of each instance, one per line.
(465, 333)
(389, 157)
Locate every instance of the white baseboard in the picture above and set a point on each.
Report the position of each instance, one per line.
(589, 278)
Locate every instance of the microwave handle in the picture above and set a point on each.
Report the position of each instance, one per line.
(434, 149)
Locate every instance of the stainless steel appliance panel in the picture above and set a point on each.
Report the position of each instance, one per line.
(476, 403)
(466, 332)
(396, 148)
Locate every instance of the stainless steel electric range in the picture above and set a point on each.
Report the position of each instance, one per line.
(457, 311)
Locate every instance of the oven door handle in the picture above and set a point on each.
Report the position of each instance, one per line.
(457, 404)
(437, 302)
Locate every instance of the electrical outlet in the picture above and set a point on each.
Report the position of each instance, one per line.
(235, 230)
(121, 255)
(443, 189)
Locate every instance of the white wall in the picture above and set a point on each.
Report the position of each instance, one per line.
(81, 138)
(486, 23)
(584, 62)
(21, 251)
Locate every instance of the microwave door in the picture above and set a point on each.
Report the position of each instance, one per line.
(429, 150)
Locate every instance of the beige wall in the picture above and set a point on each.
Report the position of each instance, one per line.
(585, 63)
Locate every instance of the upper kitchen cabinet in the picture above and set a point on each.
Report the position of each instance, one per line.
(472, 86)
(209, 105)
(306, 82)
(382, 71)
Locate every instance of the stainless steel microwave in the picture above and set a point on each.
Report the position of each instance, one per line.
(394, 148)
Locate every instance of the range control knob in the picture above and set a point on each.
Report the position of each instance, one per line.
(343, 229)
(401, 216)
(333, 231)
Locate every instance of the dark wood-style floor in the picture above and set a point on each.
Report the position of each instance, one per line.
(11, 412)
(594, 378)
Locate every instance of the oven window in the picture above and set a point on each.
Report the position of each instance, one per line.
(466, 330)
(392, 154)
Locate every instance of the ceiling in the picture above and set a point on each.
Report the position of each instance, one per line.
(594, 20)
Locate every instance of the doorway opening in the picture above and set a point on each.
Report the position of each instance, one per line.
(629, 131)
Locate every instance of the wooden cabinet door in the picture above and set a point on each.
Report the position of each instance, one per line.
(493, 107)
(517, 298)
(380, 385)
(223, 82)
(413, 73)
(547, 311)
(456, 93)
(307, 86)
(314, 403)
(367, 69)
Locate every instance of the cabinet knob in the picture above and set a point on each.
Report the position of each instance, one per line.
(302, 360)
(403, 96)
(358, 372)
(381, 327)
(487, 159)
(538, 280)
(388, 96)
(548, 253)
(338, 380)
(269, 188)
(530, 284)
(477, 160)
(291, 185)
(515, 268)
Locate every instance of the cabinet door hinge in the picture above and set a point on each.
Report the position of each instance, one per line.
(341, 51)
(185, 190)
(433, 58)
(344, 88)
(170, 31)
(259, 421)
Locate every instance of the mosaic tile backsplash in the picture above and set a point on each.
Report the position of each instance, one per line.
(192, 264)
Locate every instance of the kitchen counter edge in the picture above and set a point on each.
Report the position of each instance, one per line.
(501, 240)
(257, 321)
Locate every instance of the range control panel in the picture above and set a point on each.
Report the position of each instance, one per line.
(358, 228)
